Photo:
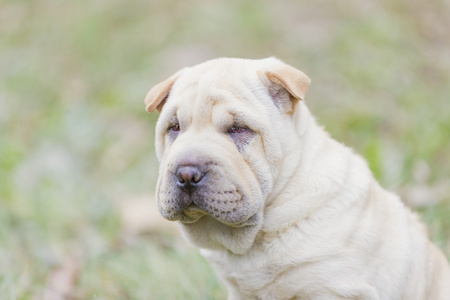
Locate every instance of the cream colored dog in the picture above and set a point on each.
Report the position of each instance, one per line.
(279, 208)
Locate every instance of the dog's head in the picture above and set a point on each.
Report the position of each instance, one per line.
(221, 138)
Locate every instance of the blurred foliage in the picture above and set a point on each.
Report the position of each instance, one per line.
(75, 139)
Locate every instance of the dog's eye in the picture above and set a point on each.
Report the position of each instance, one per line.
(174, 127)
(241, 136)
(237, 129)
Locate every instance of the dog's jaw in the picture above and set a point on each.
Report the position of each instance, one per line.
(208, 233)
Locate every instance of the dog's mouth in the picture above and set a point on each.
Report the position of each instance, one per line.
(192, 213)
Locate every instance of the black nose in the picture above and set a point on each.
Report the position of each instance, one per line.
(188, 176)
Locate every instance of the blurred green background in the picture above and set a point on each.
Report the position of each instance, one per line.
(76, 145)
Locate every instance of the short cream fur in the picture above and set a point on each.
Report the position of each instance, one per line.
(282, 211)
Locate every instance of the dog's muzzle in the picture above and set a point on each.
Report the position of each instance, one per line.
(194, 186)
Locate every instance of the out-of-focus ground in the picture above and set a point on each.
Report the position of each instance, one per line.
(77, 163)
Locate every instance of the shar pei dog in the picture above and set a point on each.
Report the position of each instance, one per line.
(279, 208)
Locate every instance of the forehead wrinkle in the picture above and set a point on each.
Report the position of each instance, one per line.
(209, 94)
(201, 110)
(248, 103)
(242, 109)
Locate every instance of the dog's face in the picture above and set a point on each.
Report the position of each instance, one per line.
(220, 143)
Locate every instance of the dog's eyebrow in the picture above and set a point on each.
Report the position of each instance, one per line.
(248, 120)
(168, 117)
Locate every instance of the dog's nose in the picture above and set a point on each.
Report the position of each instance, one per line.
(188, 176)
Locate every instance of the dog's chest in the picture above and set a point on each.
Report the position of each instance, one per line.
(293, 268)
(256, 276)
(251, 281)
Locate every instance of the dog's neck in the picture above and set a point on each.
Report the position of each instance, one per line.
(311, 175)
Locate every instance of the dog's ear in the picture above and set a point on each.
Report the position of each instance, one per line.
(286, 85)
(157, 96)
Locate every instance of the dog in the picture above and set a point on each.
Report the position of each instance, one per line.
(279, 208)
